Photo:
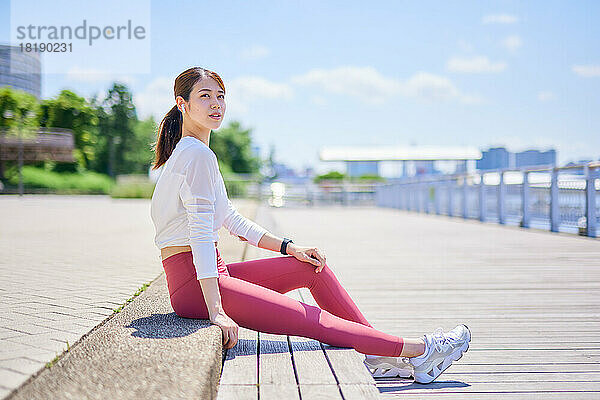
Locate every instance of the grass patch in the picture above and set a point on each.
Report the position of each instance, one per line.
(129, 300)
(87, 182)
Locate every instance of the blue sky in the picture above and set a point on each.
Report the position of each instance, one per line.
(305, 75)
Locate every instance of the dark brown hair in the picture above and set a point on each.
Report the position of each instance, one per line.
(169, 130)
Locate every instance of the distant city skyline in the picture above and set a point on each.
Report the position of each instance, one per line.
(519, 75)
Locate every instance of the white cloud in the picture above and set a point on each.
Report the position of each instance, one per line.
(364, 82)
(499, 19)
(428, 86)
(255, 52)
(512, 42)
(156, 99)
(587, 71)
(246, 90)
(476, 64)
(369, 86)
(546, 95)
(90, 75)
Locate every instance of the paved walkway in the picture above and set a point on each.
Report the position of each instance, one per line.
(531, 298)
(67, 262)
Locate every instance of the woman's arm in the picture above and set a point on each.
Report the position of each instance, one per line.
(212, 296)
(307, 254)
(270, 242)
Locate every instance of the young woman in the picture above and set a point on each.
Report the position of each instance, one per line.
(189, 205)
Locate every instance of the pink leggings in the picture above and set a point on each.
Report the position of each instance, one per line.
(252, 294)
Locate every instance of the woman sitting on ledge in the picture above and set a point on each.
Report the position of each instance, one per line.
(190, 204)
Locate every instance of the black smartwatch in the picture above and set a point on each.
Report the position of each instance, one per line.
(284, 245)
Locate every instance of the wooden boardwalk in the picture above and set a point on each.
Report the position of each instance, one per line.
(531, 299)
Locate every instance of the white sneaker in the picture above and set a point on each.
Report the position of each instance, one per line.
(441, 349)
(388, 367)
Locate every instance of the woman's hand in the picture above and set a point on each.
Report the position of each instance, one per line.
(228, 327)
(307, 254)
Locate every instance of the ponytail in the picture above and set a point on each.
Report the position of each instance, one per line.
(171, 126)
(169, 133)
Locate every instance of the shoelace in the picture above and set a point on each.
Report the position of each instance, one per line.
(440, 340)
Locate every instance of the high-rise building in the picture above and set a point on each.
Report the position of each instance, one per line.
(494, 158)
(535, 157)
(499, 157)
(20, 69)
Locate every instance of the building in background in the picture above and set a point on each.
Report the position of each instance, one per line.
(20, 70)
(358, 168)
(500, 158)
(535, 157)
(494, 158)
(416, 160)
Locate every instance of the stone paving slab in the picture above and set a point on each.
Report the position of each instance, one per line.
(68, 261)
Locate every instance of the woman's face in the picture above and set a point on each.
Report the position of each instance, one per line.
(206, 99)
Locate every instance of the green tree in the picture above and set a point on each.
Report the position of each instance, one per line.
(117, 119)
(18, 116)
(233, 147)
(70, 111)
(140, 154)
(18, 109)
(331, 175)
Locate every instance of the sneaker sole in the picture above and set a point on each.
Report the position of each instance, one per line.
(385, 370)
(426, 378)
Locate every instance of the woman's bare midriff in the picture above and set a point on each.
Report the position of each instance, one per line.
(172, 250)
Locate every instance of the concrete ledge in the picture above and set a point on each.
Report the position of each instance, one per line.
(145, 350)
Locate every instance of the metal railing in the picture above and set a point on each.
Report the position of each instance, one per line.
(543, 197)
(280, 194)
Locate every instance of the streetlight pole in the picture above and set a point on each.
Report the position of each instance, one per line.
(21, 156)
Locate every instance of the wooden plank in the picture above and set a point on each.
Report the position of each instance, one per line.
(531, 299)
(353, 377)
(360, 391)
(237, 392)
(239, 377)
(446, 385)
(275, 361)
(542, 395)
(517, 377)
(280, 392)
(277, 379)
(320, 392)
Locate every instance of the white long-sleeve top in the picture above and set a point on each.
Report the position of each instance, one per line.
(190, 204)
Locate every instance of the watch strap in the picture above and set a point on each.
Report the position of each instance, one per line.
(284, 244)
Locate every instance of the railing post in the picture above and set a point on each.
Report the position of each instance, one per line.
(427, 191)
(450, 197)
(423, 191)
(590, 201)
(415, 200)
(399, 196)
(437, 187)
(525, 195)
(482, 206)
(418, 196)
(464, 197)
(501, 195)
(554, 205)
